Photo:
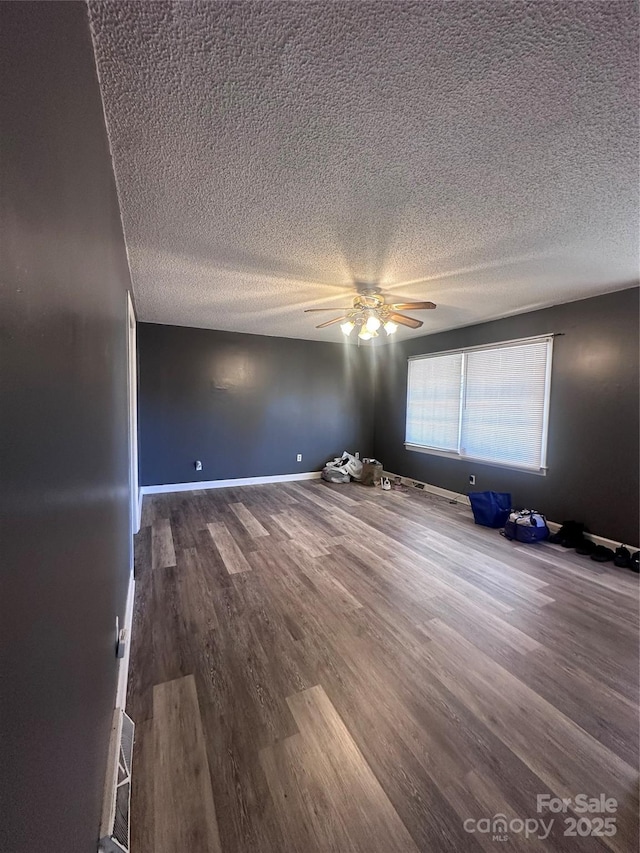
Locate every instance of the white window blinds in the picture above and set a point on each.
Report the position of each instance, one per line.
(503, 411)
(489, 404)
(433, 403)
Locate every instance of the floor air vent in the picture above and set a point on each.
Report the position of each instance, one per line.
(114, 827)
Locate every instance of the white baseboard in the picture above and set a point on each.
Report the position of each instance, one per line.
(123, 669)
(139, 519)
(225, 484)
(464, 499)
(435, 490)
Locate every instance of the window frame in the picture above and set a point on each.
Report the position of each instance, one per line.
(450, 454)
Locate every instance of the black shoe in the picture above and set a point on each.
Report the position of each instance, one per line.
(585, 547)
(622, 558)
(634, 562)
(570, 534)
(602, 554)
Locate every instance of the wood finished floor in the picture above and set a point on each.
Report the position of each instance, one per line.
(326, 669)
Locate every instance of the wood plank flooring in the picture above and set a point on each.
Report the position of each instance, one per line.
(184, 811)
(331, 668)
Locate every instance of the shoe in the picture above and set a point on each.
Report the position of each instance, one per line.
(622, 558)
(602, 554)
(634, 562)
(585, 547)
(570, 534)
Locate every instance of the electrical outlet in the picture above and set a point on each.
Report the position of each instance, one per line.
(357, 454)
(198, 465)
(121, 645)
(472, 479)
(299, 457)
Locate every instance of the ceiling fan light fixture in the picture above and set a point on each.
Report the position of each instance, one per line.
(370, 312)
(373, 323)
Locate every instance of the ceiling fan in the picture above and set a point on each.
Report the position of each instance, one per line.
(370, 311)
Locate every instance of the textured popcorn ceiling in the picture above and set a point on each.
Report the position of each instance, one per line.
(269, 155)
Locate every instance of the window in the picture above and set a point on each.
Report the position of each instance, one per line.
(490, 404)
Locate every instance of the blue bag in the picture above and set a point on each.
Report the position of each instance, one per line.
(490, 509)
(527, 525)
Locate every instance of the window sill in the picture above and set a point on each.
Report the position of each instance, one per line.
(448, 454)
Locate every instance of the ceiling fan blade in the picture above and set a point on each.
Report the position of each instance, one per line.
(412, 306)
(406, 321)
(331, 322)
(309, 310)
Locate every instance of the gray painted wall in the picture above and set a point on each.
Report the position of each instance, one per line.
(63, 431)
(245, 405)
(593, 421)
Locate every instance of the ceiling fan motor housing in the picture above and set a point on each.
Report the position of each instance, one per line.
(368, 300)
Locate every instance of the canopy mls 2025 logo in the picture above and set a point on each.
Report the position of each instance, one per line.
(590, 816)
